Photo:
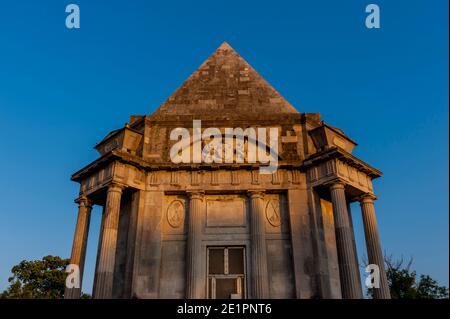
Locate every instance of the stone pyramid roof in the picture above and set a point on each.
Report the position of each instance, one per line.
(225, 84)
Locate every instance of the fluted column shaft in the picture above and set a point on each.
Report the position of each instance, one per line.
(105, 268)
(348, 267)
(194, 247)
(260, 279)
(373, 245)
(79, 244)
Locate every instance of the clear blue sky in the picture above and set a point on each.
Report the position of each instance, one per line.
(63, 90)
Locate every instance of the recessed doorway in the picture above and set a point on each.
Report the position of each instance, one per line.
(226, 272)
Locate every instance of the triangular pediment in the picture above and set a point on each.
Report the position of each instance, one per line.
(225, 84)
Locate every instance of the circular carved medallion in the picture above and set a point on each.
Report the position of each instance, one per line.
(273, 213)
(175, 214)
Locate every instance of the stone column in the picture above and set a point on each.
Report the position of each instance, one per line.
(194, 289)
(373, 245)
(79, 244)
(348, 266)
(260, 278)
(105, 268)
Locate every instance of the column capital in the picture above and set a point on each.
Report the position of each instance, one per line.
(116, 187)
(255, 193)
(336, 185)
(196, 194)
(367, 198)
(84, 201)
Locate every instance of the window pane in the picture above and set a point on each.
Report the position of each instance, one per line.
(235, 261)
(225, 287)
(216, 261)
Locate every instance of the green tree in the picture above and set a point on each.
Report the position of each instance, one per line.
(428, 288)
(404, 284)
(44, 279)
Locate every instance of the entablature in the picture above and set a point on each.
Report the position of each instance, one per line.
(334, 165)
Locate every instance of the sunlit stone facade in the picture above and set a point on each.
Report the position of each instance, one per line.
(224, 230)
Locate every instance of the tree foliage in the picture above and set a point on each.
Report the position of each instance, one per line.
(405, 284)
(43, 279)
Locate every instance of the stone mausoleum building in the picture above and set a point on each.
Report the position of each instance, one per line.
(224, 230)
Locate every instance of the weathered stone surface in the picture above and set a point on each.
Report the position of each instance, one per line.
(227, 85)
(225, 212)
